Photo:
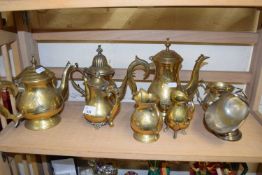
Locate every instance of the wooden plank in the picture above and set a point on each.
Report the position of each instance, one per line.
(16, 5)
(7, 37)
(28, 48)
(234, 77)
(35, 165)
(46, 165)
(146, 18)
(4, 167)
(246, 38)
(254, 88)
(118, 142)
(7, 63)
(16, 58)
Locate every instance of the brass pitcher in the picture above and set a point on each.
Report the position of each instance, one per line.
(146, 121)
(38, 100)
(180, 112)
(167, 66)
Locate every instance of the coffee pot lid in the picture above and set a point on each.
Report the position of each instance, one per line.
(167, 55)
(100, 64)
(35, 73)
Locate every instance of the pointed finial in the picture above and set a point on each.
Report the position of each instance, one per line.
(33, 61)
(167, 44)
(99, 50)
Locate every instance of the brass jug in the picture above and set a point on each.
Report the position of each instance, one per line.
(146, 121)
(180, 112)
(167, 66)
(38, 100)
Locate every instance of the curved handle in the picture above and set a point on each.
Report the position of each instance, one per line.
(111, 90)
(241, 94)
(192, 109)
(203, 85)
(160, 124)
(130, 72)
(4, 111)
(75, 85)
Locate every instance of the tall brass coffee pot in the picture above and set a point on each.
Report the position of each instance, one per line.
(167, 64)
(38, 100)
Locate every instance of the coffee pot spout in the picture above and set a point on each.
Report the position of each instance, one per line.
(63, 88)
(191, 88)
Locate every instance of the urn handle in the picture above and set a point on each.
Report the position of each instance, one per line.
(111, 90)
(4, 111)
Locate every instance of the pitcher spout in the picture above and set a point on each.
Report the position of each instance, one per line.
(63, 89)
(191, 88)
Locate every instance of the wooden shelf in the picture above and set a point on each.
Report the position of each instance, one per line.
(74, 137)
(16, 5)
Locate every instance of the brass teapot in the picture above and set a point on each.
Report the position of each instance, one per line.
(101, 93)
(167, 64)
(38, 100)
(180, 112)
(146, 120)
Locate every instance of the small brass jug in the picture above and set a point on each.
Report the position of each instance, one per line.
(38, 100)
(180, 112)
(146, 120)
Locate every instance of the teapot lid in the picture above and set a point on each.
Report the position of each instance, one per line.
(97, 81)
(100, 64)
(35, 73)
(167, 55)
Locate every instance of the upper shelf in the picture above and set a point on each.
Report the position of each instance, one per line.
(17, 5)
(74, 137)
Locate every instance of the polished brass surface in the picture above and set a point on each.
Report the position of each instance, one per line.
(226, 108)
(180, 112)
(42, 124)
(38, 97)
(146, 120)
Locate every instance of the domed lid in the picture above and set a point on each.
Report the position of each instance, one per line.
(167, 55)
(97, 81)
(100, 64)
(35, 73)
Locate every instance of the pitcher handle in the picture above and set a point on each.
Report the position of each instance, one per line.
(203, 85)
(75, 85)
(3, 110)
(112, 90)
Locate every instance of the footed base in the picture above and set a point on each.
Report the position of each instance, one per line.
(231, 136)
(42, 124)
(146, 138)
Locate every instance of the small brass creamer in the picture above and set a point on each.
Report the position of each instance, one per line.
(38, 100)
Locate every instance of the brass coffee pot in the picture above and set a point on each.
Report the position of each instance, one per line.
(146, 120)
(38, 100)
(101, 93)
(167, 66)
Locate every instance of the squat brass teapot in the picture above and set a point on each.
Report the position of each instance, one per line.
(167, 66)
(38, 100)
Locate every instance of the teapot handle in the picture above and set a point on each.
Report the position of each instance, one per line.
(3, 110)
(130, 70)
(111, 90)
(75, 85)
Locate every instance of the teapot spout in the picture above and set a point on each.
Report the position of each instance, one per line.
(192, 85)
(63, 89)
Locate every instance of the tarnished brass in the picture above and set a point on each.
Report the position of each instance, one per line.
(167, 66)
(101, 92)
(180, 112)
(226, 108)
(38, 100)
(146, 120)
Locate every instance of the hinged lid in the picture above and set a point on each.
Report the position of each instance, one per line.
(97, 81)
(100, 64)
(167, 56)
(35, 73)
